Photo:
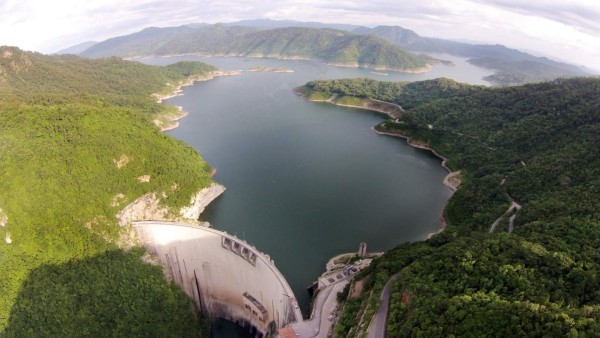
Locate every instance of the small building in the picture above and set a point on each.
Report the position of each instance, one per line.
(362, 250)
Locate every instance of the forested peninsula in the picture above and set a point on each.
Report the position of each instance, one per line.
(536, 273)
(79, 144)
(326, 45)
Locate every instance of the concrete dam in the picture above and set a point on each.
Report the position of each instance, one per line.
(225, 276)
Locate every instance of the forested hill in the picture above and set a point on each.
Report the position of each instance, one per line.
(75, 136)
(318, 41)
(537, 145)
(327, 45)
(512, 66)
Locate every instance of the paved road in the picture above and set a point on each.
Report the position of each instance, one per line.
(513, 205)
(318, 325)
(378, 323)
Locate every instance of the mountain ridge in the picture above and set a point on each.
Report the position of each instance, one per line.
(512, 66)
(322, 44)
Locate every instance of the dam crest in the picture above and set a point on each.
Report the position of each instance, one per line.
(224, 276)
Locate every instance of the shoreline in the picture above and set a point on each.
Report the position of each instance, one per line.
(177, 89)
(367, 106)
(451, 180)
(448, 180)
(453, 185)
(419, 70)
(166, 122)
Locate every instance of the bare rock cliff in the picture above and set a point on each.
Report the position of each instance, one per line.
(148, 207)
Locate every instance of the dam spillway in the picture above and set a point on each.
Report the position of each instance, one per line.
(225, 276)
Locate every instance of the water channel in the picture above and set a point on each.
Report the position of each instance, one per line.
(307, 181)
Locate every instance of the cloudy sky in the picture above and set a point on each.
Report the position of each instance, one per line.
(567, 30)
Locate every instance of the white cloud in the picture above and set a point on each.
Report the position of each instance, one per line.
(561, 29)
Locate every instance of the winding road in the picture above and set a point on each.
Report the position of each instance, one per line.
(377, 327)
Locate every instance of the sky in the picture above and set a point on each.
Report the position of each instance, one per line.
(565, 30)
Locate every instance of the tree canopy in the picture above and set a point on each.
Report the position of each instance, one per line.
(537, 145)
(75, 136)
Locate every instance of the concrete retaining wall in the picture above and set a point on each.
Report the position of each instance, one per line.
(225, 276)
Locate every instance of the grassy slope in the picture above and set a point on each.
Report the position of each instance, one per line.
(536, 144)
(64, 122)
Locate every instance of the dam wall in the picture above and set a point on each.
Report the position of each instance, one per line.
(225, 276)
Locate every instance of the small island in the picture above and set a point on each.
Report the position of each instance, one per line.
(270, 69)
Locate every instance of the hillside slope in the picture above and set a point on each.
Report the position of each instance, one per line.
(327, 45)
(535, 273)
(76, 136)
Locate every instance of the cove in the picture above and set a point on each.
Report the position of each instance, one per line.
(307, 181)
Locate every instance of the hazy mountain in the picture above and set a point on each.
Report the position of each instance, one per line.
(78, 48)
(266, 23)
(140, 43)
(328, 45)
(272, 38)
(513, 66)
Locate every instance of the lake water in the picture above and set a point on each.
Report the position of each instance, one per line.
(307, 181)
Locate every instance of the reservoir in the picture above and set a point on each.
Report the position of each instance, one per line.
(307, 181)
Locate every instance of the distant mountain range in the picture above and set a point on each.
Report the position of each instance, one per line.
(78, 48)
(340, 44)
(266, 24)
(322, 44)
(512, 66)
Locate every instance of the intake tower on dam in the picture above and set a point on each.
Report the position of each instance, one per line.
(225, 276)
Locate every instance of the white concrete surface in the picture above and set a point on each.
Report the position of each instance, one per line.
(225, 276)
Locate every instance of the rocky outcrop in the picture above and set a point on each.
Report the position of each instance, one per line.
(3, 218)
(3, 222)
(201, 200)
(190, 81)
(149, 208)
(122, 161)
(144, 178)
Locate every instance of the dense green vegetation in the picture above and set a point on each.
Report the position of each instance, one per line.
(75, 135)
(538, 145)
(328, 45)
(370, 47)
(511, 66)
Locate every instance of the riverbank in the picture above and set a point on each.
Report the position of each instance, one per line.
(148, 206)
(419, 70)
(392, 110)
(176, 90)
(169, 119)
(452, 180)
